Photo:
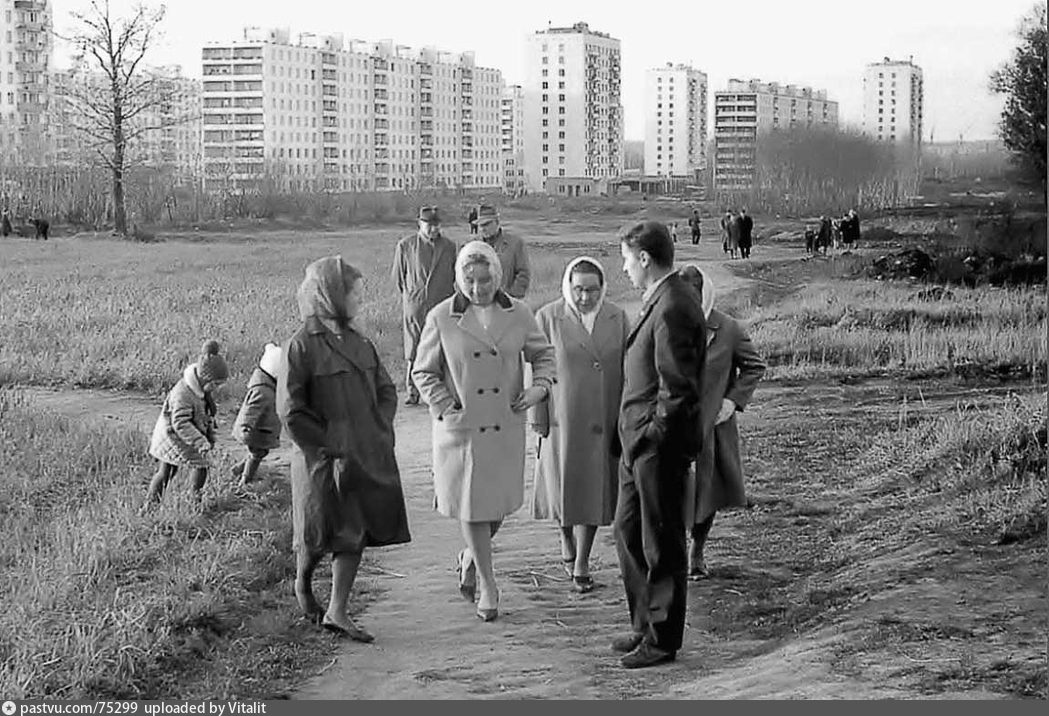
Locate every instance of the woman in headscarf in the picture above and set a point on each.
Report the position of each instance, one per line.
(470, 372)
(337, 403)
(730, 375)
(577, 470)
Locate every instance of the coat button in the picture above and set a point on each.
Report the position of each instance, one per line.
(495, 352)
(477, 354)
(482, 429)
(495, 390)
(597, 366)
(480, 391)
(497, 428)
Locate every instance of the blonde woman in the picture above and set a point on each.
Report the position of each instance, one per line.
(469, 368)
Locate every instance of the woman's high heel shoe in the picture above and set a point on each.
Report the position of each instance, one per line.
(488, 614)
(467, 578)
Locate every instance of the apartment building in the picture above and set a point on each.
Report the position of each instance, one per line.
(893, 102)
(25, 63)
(676, 122)
(164, 134)
(512, 140)
(745, 110)
(573, 117)
(323, 112)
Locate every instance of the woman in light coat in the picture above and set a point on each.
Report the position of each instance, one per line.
(337, 402)
(577, 470)
(470, 372)
(730, 375)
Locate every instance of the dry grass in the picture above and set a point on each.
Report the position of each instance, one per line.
(115, 314)
(834, 327)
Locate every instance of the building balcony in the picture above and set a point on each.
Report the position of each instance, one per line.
(425, 68)
(467, 88)
(328, 58)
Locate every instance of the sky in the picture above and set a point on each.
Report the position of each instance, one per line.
(823, 44)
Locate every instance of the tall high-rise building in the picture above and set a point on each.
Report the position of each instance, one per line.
(572, 111)
(747, 109)
(676, 122)
(893, 99)
(327, 113)
(512, 127)
(25, 65)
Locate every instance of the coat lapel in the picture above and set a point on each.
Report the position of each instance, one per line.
(712, 329)
(573, 329)
(501, 317)
(351, 350)
(646, 309)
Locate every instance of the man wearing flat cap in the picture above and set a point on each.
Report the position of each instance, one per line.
(513, 257)
(424, 270)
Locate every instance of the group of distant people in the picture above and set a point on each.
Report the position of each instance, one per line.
(842, 233)
(737, 232)
(635, 417)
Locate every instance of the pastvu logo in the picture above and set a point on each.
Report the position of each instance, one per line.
(9, 708)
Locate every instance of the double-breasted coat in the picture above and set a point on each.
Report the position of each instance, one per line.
(424, 272)
(469, 376)
(733, 369)
(577, 465)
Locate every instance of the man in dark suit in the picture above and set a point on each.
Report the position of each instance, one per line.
(659, 433)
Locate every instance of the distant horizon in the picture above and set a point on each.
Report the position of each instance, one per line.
(811, 43)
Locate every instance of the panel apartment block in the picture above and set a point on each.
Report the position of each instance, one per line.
(25, 65)
(347, 115)
(747, 109)
(572, 111)
(676, 122)
(512, 144)
(893, 100)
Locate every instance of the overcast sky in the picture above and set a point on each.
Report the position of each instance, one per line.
(824, 44)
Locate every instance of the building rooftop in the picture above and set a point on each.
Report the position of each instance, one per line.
(886, 61)
(755, 85)
(578, 28)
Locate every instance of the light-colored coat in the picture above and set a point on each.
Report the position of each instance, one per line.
(577, 470)
(422, 284)
(468, 377)
(180, 433)
(733, 369)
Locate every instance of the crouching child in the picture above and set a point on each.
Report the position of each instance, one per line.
(183, 435)
(257, 426)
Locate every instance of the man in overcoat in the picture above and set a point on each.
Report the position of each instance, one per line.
(424, 271)
(510, 248)
(659, 422)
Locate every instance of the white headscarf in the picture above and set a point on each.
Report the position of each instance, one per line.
(467, 254)
(708, 288)
(566, 290)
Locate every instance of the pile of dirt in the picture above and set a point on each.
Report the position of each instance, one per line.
(909, 263)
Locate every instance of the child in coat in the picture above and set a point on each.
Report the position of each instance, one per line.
(184, 432)
(257, 426)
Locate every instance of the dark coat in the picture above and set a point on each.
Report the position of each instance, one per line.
(422, 284)
(661, 374)
(746, 231)
(732, 370)
(337, 402)
(257, 425)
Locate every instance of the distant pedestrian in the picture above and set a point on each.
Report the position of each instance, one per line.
(734, 229)
(673, 232)
(746, 233)
(183, 435)
(694, 226)
(424, 272)
(257, 426)
(810, 240)
(824, 235)
(726, 223)
(472, 218)
(41, 227)
(5, 223)
(851, 233)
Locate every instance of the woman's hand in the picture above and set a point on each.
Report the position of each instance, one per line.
(529, 398)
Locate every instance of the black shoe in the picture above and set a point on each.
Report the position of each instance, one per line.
(698, 571)
(627, 642)
(412, 399)
(646, 655)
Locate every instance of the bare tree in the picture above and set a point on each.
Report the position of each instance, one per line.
(118, 98)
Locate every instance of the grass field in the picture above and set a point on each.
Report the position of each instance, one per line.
(125, 315)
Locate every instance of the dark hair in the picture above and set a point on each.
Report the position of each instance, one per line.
(653, 237)
(589, 267)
